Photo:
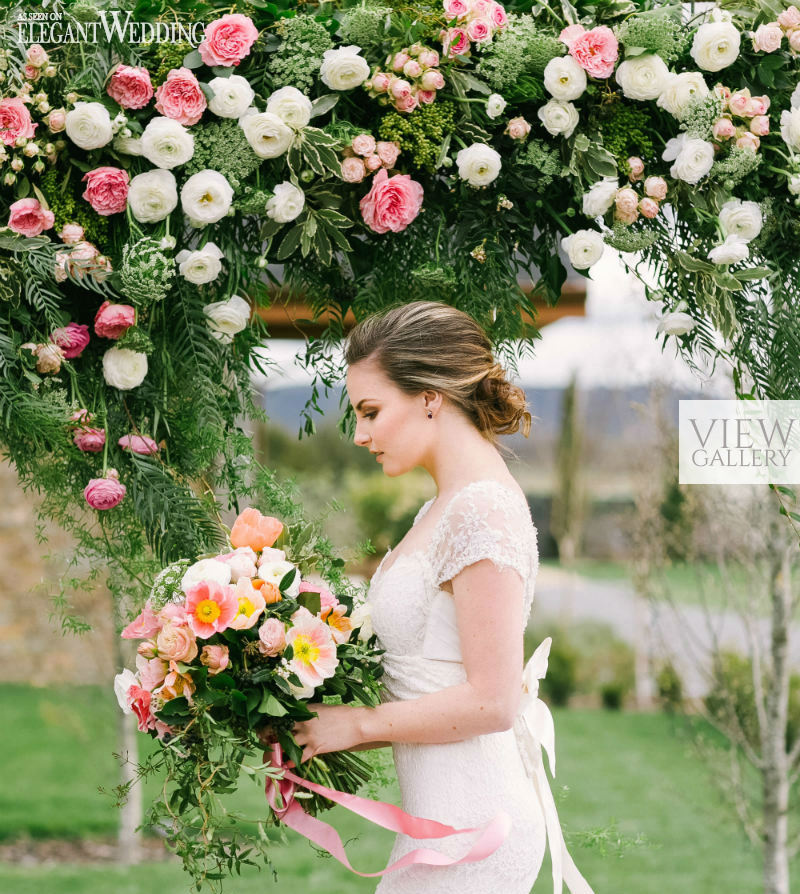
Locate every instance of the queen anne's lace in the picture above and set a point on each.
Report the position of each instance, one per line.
(462, 783)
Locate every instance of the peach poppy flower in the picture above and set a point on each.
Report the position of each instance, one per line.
(313, 648)
(341, 626)
(251, 604)
(255, 530)
(210, 607)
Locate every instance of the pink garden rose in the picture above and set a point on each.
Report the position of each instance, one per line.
(570, 33)
(181, 98)
(757, 105)
(426, 96)
(479, 30)
(498, 16)
(656, 188)
(648, 207)
(637, 168)
(767, 38)
(241, 561)
(36, 55)
(789, 18)
(455, 9)
(105, 493)
(71, 233)
(176, 642)
(106, 190)
(272, 637)
(392, 203)
(399, 60)
(28, 218)
(739, 101)
(15, 121)
(57, 120)
(228, 40)
(456, 42)
(595, 51)
(90, 440)
(748, 141)
(114, 320)
(406, 103)
(794, 39)
(130, 86)
(432, 80)
(428, 58)
(144, 625)
(364, 144)
(387, 153)
(380, 82)
(412, 69)
(518, 128)
(210, 607)
(72, 339)
(140, 444)
(400, 88)
(215, 658)
(49, 357)
(373, 163)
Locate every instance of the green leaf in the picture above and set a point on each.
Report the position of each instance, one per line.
(271, 706)
(290, 243)
(193, 59)
(751, 273)
(311, 600)
(323, 104)
(693, 265)
(726, 280)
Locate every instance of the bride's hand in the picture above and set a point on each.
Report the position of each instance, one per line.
(266, 735)
(337, 728)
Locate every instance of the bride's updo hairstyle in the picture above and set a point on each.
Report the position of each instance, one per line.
(426, 345)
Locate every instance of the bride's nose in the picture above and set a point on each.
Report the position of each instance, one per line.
(360, 439)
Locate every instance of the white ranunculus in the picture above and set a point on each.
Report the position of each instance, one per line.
(794, 184)
(287, 202)
(794, 101)
(206, 570)
(361, 617)
(232, 96)
(478, 164)
(202, 265)
(732, 250)
(643, 77)
(122, 683)
(742, 219)
(128, 145)
(790, 128)
(206, 197)
(600, 197)
(291, 105)
(274, 573)
(676, 323)
(124, 368)
(495, 105)
(692, 157)
(564, 79)
(266, 133)
(166, 143)
(153, 195)
(584, 248)
(226, 318)
(558, 117)
(88, 125)
(681, 90)
(716, 45)
(343, 68)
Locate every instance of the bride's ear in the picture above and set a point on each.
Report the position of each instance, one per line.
(432, 402)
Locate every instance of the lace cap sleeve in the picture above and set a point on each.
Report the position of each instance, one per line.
(486, 520)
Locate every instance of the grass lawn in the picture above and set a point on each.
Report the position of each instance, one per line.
(632, 770)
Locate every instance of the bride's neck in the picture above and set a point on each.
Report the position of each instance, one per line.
(460, 455)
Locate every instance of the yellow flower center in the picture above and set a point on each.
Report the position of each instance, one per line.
(207, 611)
(305, 649)
(246, 607)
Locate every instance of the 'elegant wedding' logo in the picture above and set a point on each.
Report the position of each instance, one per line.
(739, 441)
(52, 24)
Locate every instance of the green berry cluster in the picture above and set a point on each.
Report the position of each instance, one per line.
(136, 339)
(433, 275)
(736, 167)
(522, 49)
(657, 32)
(624, 237)
(146, 273)
(163, 57)
(252, 201)
(364, 26)
(222, 146)
(68, 206)
(701, 115)
(544, 159)
(627, 130)
(420, 133)
(299, 56)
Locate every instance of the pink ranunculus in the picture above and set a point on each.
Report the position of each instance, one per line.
(596, 51)
(176, 642)
(794, 39)
(139, 700)
(36, 55)
(428, 58)
(432, 80)
(455, 9)
(228, 40)
(748, 141)
(130, 86)
(456, 42)
(767, 38)
(387, 152)
(648, 207)
(151, 672)
(789, 18)
(71, 233)
(241, 561)
(364, 144)
(479, 30)
(105, 493)
(739, 101)
(353, 170)
(760, 125)
(57, 120)
(392, 203)
(140, 444)
(15, 121)
(113, 320)
(181, 98)
(271, 637)
(426, 96)
(28, 218)
(518, 128)
(215, 658)
(106, 190)
(570, 33)
(406, 103)
(380, 82)
(144, 625)
(210, 607)
(637, 168)
(90, 440)
(626, 205)
(72, 339)
(723, 129)
(373, 163)
(656, 188)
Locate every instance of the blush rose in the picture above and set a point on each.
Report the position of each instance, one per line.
(106, 190)
(181, 98)
(392, 203)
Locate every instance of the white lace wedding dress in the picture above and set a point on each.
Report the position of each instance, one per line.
(465, 784)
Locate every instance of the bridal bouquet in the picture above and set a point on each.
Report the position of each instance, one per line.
(230, 644)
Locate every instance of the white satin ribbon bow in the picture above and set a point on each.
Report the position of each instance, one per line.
(535, 733)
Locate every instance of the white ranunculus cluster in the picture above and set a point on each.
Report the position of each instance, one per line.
(584, 248)
(127, 145)
(274, 573)
(678, 322)
(732, 250)
(206, 197)
(478, 164)
(558, 117)
(692, 158)
(600, 197)
(206, 570)
(790, 128)
(741, 219)
(202, 265)
(153, 195)
(680, 91)
(643, 77)
(227, 318)
(232, 96)
(343, 68)
(124, 368)
(564, 79)
(286, 203)
(716, 45)
(166, 143)
(495, 105)
(291, 105)
(88, 125)
(268, 135)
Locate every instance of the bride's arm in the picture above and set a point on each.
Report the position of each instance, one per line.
(368, 746)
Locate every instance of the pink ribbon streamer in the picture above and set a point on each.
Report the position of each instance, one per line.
(493, 834)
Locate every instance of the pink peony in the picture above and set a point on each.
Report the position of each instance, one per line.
(105, 493)
(479, 30)
(789, 18)
(455, 9)
(656, 188)
(215, 658)
(90, 440)
(570, 33)
(181, 98)
(314, 650)
(228, 40)
(456, 42)
(767, 38)
(210, 607)
(113, 320)
(595, 51)
(387, 153)
(152, 672)
(518, 128)
(760, 125)
(648, 207)
(364, 144)
(353, 170)
(130, 87)
(392, 203)
(28, 218)
(15, 121)
(139, 701)
(272, 637)
(140, 444)
(144, 625)
(106, 190)
(71, 233)
(72, 339)
(723, 129)
(176, 642)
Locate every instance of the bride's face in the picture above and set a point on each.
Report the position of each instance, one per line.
(389, 422)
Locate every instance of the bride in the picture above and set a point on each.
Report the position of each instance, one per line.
(449, 605)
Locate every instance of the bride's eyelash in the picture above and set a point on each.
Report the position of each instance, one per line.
(371, 415)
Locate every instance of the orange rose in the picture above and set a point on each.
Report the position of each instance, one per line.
(255, 530)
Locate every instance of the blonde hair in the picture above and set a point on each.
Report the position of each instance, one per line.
(426, 345)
